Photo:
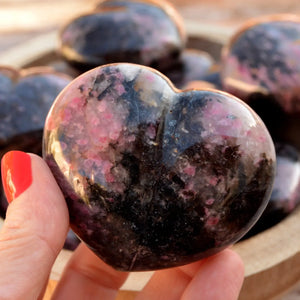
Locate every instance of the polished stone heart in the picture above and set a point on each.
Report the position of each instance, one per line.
(146, 32)
(261, 65)
(263, 56)
(154, 177)
(26, 96)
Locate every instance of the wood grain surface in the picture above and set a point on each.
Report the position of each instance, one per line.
(28, 29)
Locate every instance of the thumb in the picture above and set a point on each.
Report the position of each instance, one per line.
(35, 227)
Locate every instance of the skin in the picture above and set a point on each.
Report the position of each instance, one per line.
(29, 247)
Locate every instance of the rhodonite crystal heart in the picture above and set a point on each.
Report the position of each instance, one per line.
(261, 65)
(263, 57)
(154, 177)
(146, 32)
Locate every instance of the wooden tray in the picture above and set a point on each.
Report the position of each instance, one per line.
(272, 258)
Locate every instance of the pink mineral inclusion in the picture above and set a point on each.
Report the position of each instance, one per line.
(66, 116)
(236, 70)
(82, 142)
(210, 201)
(216, 109)
(151, 131)
(150, 77)
(109, 178)
(260, 138)
(105, 127)
(101, 106)
(190, 170)
(119, 87)
(224, 124)
(212, 221)
(213, 181)
(77, 103)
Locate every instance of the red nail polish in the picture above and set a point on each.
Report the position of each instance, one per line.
(16, 173)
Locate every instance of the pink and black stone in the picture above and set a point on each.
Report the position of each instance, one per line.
(261, 65)
(26, 96)
(153, 177)
(150, 33)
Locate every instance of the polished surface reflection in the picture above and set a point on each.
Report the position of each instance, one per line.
(155, 177)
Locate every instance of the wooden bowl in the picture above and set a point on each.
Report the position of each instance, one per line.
(272, 258)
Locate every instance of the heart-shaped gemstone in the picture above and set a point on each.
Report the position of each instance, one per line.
(146, 32)
(154, 177)
(26, 96)
(263, 56)
(261, 65)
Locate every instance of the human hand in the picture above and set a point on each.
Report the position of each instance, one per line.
(34, 232)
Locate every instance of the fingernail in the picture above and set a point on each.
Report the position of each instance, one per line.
(16, 174)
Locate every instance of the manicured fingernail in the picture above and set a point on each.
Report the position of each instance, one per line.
(16, 173)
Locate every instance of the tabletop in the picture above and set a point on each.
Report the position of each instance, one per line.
(28, 21)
